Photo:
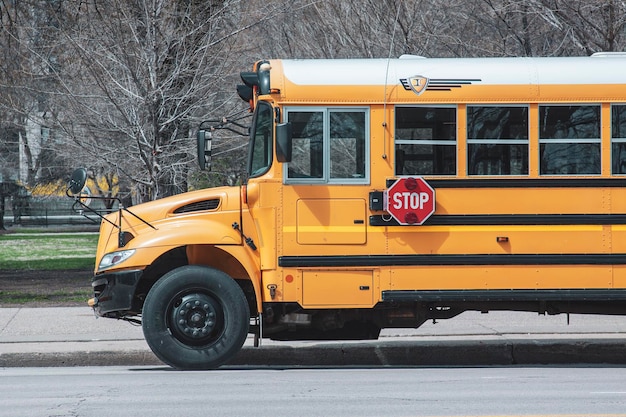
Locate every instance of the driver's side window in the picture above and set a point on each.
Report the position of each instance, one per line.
(260, 157)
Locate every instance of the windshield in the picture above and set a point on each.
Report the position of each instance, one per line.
(261, 136)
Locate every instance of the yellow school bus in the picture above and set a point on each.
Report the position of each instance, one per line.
(382, 193)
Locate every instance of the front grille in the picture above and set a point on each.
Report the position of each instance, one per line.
(204, 205)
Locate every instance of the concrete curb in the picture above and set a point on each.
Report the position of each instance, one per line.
(441, 353)
(376, 354)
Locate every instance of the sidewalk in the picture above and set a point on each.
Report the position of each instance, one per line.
(75, 337)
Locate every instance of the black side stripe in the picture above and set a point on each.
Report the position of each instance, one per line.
(524, 182)
(588, 294)
(449, 260)
(509, 219)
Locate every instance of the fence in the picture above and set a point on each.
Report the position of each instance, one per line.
(49, 212)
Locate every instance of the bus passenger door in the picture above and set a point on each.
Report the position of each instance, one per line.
(326, 188)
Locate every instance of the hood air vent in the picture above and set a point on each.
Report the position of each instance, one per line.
(198, 206)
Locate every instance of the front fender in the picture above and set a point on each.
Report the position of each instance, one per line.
(212, 242)
(236, 261)
(151, 244)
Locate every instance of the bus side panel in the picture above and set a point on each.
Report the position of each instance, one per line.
(497, 240)
(505, 277)
(525, 200)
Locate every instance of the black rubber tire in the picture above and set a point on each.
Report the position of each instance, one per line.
(195, 317)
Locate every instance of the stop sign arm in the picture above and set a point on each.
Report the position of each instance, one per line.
(410, 201)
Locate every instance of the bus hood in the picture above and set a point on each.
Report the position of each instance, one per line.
(151, 214)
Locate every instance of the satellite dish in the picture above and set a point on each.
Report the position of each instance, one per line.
(77, 182)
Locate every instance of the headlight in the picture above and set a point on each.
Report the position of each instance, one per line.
(114, 258)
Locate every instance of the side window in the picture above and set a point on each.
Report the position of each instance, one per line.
(569, 139)
(425, 140)
(347, 144)
(329, 145)
(618, 139)
(497, 140)
(308, 144)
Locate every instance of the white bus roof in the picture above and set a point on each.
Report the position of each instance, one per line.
(604, 68)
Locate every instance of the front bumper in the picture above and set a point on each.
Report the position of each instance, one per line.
(114, 293)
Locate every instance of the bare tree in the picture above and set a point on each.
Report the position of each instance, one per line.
(24, 77)
(132, 82)
(462, 28)
(586, 26)
(120, 86)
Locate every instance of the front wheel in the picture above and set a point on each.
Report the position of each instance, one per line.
(195, 317)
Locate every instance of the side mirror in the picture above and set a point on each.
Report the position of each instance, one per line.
(204, 149)
(77, 181)
(283, 142)
(264, 79)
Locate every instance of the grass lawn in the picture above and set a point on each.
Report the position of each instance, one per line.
(47, 251)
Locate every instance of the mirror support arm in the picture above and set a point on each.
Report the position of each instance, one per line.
(74, 189)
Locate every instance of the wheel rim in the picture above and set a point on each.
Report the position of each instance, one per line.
(196, 319)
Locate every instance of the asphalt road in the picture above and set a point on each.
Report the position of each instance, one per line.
(319, 391)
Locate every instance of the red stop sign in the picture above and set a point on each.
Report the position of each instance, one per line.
(410, 200)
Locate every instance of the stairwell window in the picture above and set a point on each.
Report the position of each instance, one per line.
(330, 145)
